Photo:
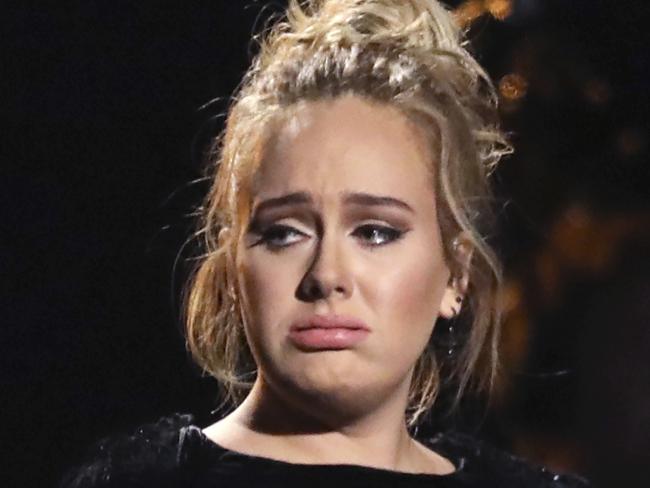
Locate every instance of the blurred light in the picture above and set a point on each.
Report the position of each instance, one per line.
(469, 11)
(513, 87)
(597, 92)
(631, 141)
(577, 216)
(514, 340)
(510, 297)
(499, 9)
(582, 241)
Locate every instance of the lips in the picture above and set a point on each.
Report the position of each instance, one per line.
(328, 332)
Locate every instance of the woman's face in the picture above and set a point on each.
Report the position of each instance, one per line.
(342, 263)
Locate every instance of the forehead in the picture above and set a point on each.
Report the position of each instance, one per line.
(346, 144)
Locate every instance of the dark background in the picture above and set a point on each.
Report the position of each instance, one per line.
(102, 141)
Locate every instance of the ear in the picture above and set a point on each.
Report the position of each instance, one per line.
(454, 296)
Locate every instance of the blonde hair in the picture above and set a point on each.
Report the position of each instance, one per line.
(408, 54)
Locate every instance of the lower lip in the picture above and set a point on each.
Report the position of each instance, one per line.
(316, 338)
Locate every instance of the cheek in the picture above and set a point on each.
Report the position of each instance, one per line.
(255, 281)
(411, 289)
(269, 283)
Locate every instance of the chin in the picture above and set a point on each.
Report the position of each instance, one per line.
(340, 387)
(327, 370)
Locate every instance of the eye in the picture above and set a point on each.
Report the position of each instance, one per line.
(279, 236)
(377, 235)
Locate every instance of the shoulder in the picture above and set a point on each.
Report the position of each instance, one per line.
(151, 455)
(491, 466)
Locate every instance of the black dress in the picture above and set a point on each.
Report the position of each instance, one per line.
(175, 453)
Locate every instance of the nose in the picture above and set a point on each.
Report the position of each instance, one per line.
(327, 275)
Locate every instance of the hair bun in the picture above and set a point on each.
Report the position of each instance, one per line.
(421, 24)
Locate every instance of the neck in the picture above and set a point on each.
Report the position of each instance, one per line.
(276, 428)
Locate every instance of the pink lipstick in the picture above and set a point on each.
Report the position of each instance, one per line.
(322, 332)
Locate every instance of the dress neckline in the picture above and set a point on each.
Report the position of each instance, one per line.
(226, 455)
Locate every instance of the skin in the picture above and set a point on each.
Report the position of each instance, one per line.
(329, 253)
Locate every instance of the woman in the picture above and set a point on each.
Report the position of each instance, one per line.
(347, 217)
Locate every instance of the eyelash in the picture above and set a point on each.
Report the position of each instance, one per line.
(267, 236)
(390, 234)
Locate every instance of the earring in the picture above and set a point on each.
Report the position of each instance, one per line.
(459, 301)
(447, 342)
(446, 337)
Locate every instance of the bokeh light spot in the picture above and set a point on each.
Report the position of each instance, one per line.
(468, 12)
(499, 9)
(513, 87)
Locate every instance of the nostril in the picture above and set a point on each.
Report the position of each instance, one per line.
(310, 290)
(315, 290)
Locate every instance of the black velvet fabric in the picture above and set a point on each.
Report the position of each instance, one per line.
(175, 453)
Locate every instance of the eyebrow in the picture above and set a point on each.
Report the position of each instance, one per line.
(349, 198)
(370, 200)
(296, 198)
